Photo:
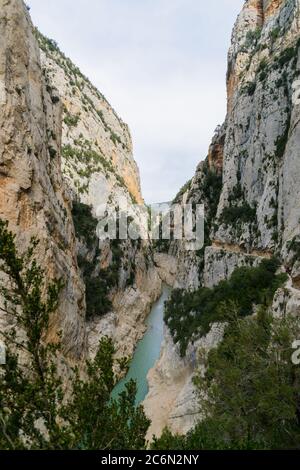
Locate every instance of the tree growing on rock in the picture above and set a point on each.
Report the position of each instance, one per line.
(34, 413)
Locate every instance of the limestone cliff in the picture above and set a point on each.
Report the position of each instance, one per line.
(33, 196)
(97, 147)
(250, 181)
(100, 171)
(63, 148)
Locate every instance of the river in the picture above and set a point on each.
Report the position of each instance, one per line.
(147, 351)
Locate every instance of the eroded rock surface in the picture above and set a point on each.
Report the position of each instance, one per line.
(33, 196)
(250, 181)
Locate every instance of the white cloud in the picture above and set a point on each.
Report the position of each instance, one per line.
(161, 64)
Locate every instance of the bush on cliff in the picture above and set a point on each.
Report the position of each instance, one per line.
(190, 314)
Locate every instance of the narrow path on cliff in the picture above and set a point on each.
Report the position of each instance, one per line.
(234, 248)
(293, 284)
(147, 351)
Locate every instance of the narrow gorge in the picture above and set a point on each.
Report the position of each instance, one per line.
(67, 161)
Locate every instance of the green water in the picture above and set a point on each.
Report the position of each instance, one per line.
(147, 351)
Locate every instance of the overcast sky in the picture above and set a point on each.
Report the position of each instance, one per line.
(161, 64)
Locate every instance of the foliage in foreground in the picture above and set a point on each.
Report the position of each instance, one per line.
(250, 392)
(190, 314)
(34, 413)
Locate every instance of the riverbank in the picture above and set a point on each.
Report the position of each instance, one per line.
(171, 400)
(148, 349)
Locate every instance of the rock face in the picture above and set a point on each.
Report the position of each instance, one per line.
(97, 147)
(63, 144)
(99, 169)
(33, 195)
(261, 158)
(250, 181)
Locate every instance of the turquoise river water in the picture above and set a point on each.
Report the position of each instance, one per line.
(147, 351)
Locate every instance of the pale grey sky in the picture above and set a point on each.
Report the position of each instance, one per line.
(162, 66)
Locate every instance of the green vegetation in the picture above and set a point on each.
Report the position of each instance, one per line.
(52, 152)
(98, 282)
(275, 34)
(50, 47)
(250, 88)
(97, 287)
(249, 393)
(238, 211)
(252, 38)
(263, 70)
(211, 187)
(34, 412)
(294, 247)
(282, 140)
(254, 35)
(162, 245)
(238, 214)
(287, 55)
(85, 223)
(115, 138)
(93, 162)
(189, 315)
(186, 187)
(71, 120)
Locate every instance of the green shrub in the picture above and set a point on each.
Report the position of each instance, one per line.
(249, 392)
(294, 247)
(97, 288)
(98, 283)
(282, 140)
(263, 65)
(115, 138)
(70, 120)
(55, 99)
(250, 88)
(287, 55)
(211, 187)
(238, 214)
(191, 313)
(52, 152)
(263, 75)
(93, 161)
(275, 34)
(85, 223)
(252, 38)
(262, 70)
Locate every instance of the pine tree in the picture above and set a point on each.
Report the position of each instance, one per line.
(34, 413)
